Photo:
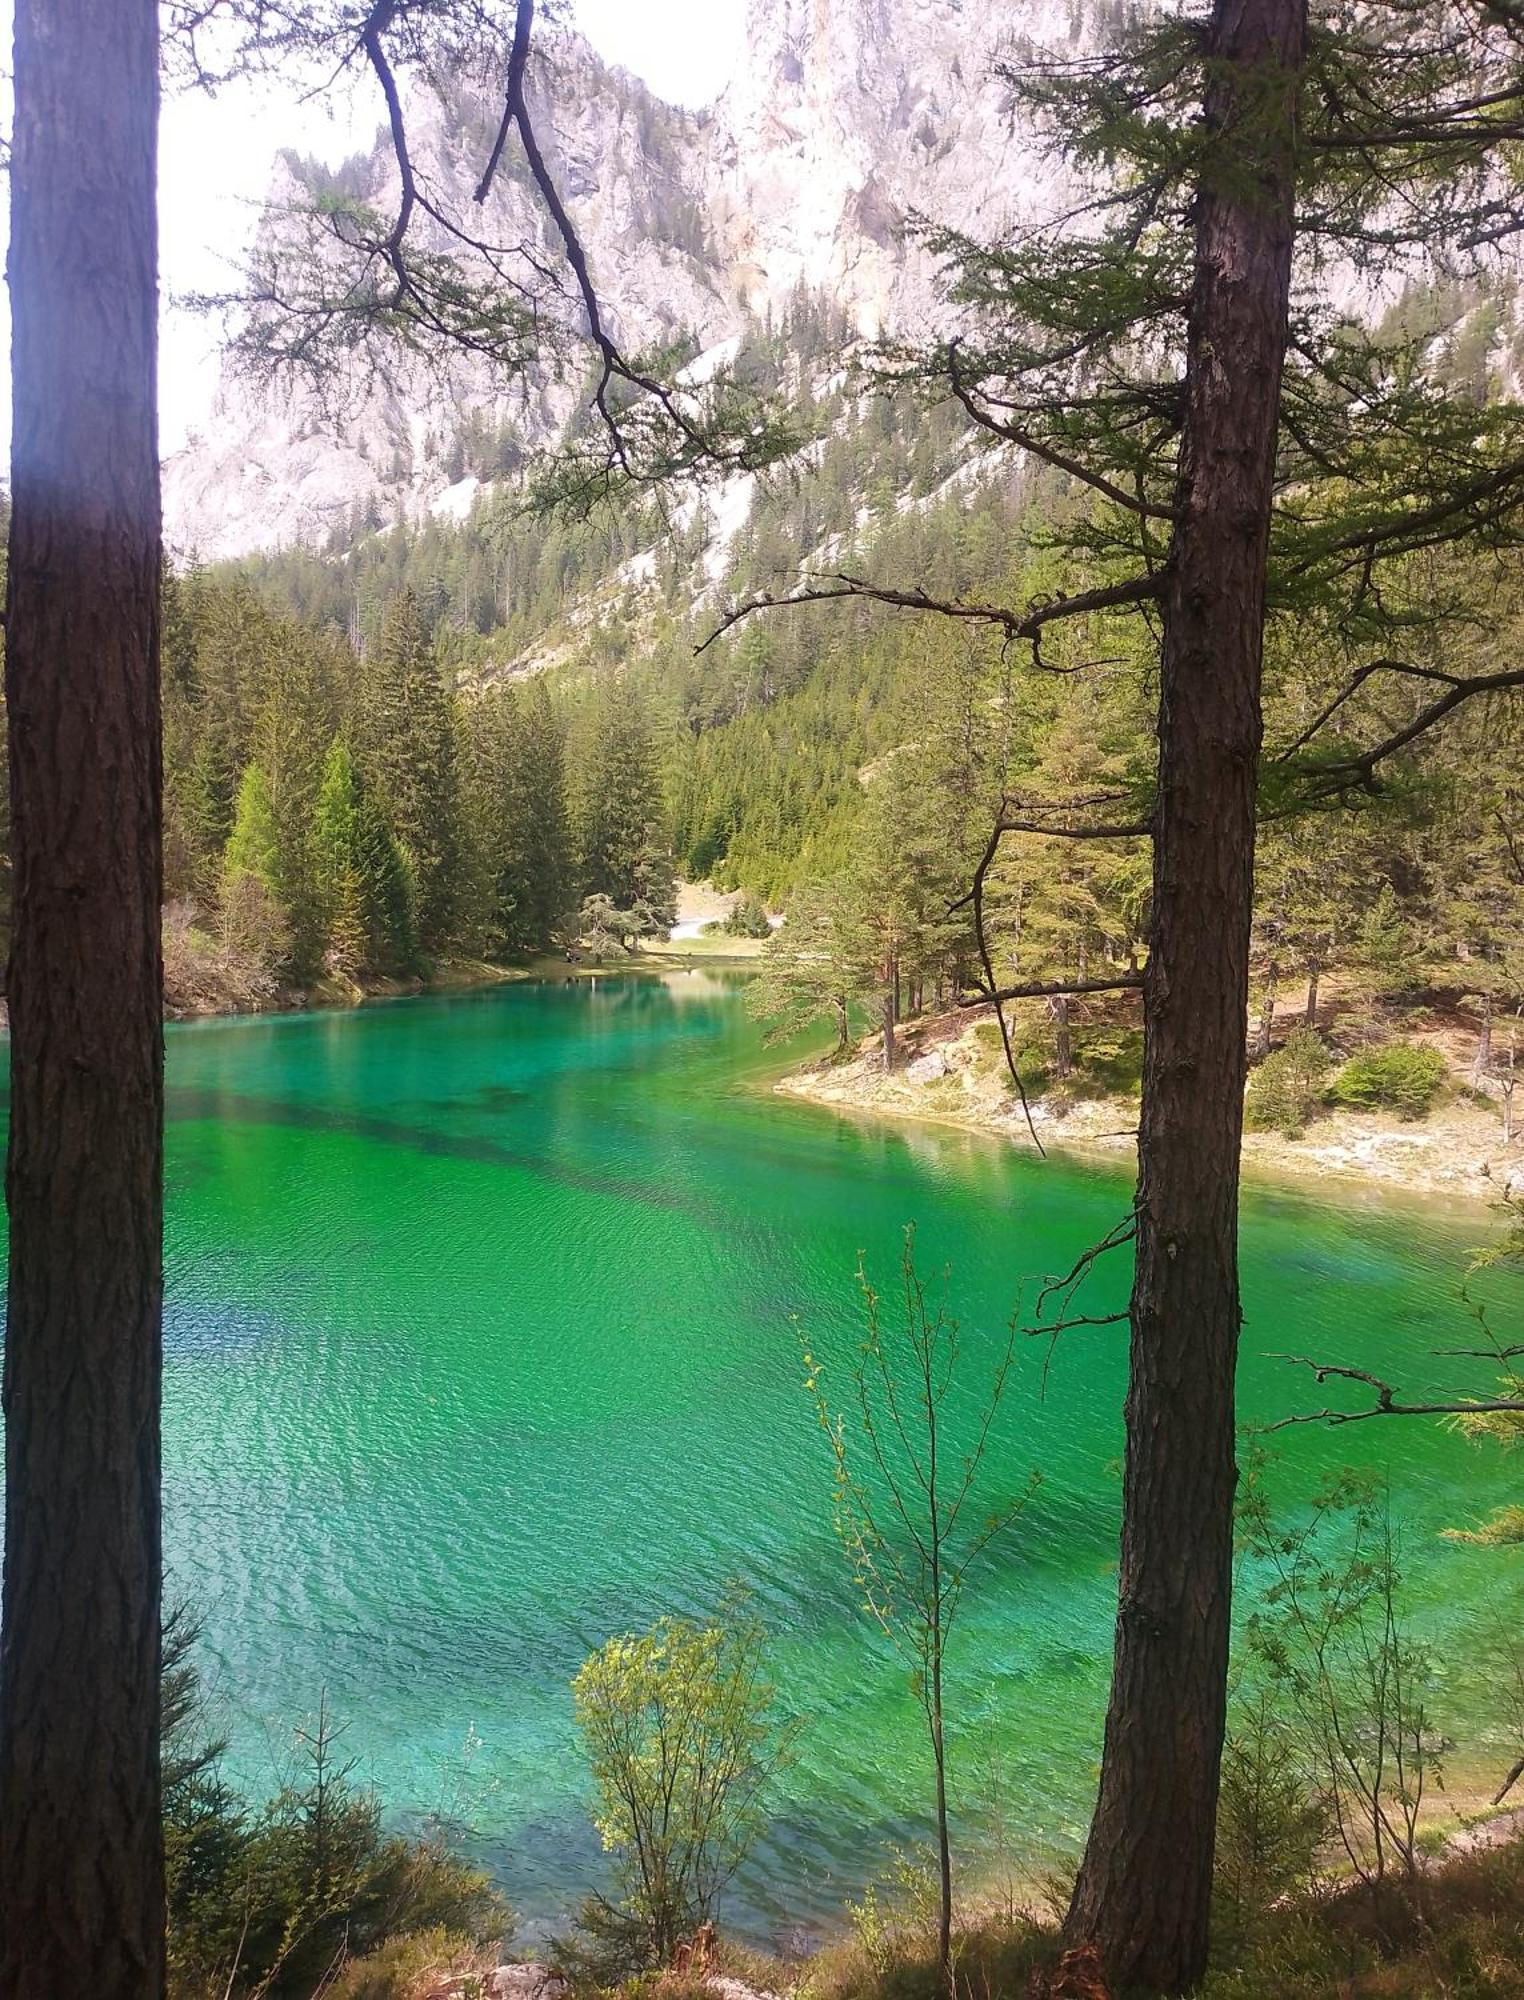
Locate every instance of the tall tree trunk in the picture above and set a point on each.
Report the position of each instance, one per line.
(1310, 1013)
(1266, 1029)
(1481, 1062)
(1144, 1886)
(81, 1862)
(1063, 1041)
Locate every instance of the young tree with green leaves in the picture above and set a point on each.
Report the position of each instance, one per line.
(364, 898)
(255, 920)
(679, 1734)
(909, 1511)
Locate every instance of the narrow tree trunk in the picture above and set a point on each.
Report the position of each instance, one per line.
(891, 1008)
(1262, 1039)
(81, 1864)
(944, 1840)
(1063, 1043)
(1314, 974)
(1481, 1062)
(1144, 1886)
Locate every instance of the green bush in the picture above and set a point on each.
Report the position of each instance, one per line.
(676, 1723)
(1111, 1059)
(1285, 1088)
(414, 1968)
(748, 918)
(268, 1900)
(1404, 1077)
(1271, 1823)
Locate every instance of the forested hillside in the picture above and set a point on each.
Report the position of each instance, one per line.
(409, 745)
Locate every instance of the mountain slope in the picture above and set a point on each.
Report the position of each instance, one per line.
(844, 120)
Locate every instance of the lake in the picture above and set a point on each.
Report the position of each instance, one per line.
(483, 1339)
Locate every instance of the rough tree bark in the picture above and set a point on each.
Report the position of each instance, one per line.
(81, 1864)
(1145, 1882)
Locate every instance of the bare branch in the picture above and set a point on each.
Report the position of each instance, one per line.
(1055, 989)
(1386, 1403)
(1015, 625)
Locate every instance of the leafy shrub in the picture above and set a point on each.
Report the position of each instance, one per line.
(414, 1968)
(676, 1729)
(1404, 1077)
(1285, 1088)
(1329, 1635)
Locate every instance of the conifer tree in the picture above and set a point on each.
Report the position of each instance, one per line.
(340, 858)
(81, 1834)
(1167, 346)
(808, 971)
(253, 846)
(406, 748)
(256, 921)
(621, 816)
(545, 843)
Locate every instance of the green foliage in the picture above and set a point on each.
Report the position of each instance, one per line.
(1271, 1822)
(405, 746)
(677, 1727)
(415, 1967)
(253, 846)
(1329, 1645)
(364, 898)
(804, 974)
(748, 918)
(1287, 1085)
(269, 1900)
(1405, 1077)
(620, 814)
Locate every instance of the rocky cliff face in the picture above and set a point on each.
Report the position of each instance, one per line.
(847, 117)
(852, 116)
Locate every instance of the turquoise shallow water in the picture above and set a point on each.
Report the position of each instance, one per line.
(481, 1346)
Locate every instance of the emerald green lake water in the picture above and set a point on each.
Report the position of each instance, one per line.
(481, 1346)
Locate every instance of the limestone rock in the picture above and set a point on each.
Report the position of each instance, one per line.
(929, 1068)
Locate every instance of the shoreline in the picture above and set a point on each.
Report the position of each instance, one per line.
(1454, 1158)
(463, 976)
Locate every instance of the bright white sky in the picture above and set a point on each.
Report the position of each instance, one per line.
(216, 156)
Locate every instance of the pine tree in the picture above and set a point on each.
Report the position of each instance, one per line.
(545, 839)
(256, 922)
(621, 819)
(406, 748)
(361, 880)
(339, 860)
(808, 970)
(1168, 347)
